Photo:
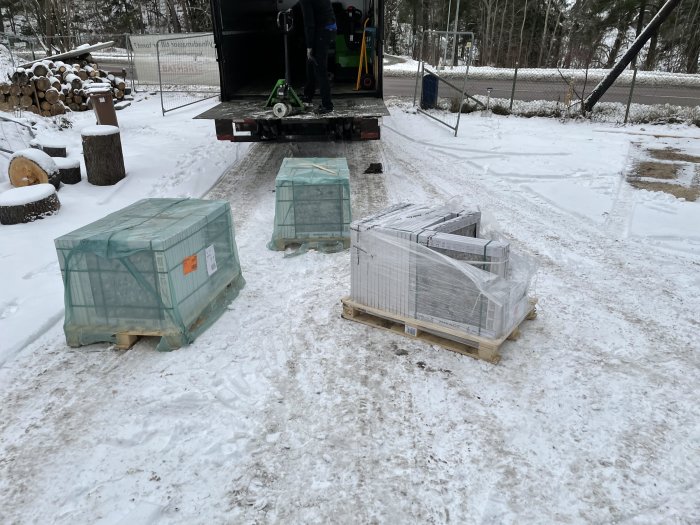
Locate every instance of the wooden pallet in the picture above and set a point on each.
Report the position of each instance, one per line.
(282, 244)
(125, 340)
(455, 340)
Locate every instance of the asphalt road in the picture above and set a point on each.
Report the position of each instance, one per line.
(547, 90)
(528, 90)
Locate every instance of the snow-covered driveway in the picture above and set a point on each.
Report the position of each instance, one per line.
(283, 412)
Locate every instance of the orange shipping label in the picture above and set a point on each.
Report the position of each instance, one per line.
(189, 265)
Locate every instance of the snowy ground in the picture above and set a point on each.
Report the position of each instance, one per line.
(282, 412)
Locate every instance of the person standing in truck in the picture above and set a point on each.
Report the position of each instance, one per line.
(319, 29)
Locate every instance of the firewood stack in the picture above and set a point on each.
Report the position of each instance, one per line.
(51, 88)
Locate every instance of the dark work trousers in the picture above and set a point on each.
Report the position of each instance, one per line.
(318, 72)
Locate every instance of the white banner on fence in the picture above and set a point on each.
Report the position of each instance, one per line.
(184, 60)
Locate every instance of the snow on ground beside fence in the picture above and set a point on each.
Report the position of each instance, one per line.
(610, 112)
(404, 66)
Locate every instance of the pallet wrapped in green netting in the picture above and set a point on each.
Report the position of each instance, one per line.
(160, 267)
(312, 204)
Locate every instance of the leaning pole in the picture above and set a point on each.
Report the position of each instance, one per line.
(636, 46)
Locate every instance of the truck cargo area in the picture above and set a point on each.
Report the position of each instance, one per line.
(251, 54)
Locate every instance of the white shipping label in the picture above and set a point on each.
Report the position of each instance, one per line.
(411, 330)
(211, 259)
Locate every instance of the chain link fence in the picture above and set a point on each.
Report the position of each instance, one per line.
(635, 97)
(25, 49)
(183, 69)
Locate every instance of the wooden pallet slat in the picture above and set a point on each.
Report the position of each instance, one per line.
(456, 341)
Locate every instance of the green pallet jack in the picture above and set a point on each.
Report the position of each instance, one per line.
(283, 99)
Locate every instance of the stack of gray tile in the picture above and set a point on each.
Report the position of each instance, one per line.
(428, 263)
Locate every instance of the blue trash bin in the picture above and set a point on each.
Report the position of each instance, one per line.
(429, 92)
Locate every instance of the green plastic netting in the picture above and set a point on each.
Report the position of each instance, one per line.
(163, 267)
(312, 204)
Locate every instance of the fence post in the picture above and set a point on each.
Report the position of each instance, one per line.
(629, 100)
(512, 91)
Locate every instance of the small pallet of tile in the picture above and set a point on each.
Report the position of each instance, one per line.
(312, 203)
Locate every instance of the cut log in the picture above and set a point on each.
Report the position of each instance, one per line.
(54, 150)
(51, 95)
(104, 160)
(32, 166)
(45, 106)
(40, 95)
(55, 83)
(34, 109)
(73, 80)
(21, 205)
(40, 70)
(20, 77)
(119, 83)
(42, 83)
(13, 101)
(69, 170)
(5, 88)
(83, 74)
(25, 101)
(15, 89)
(58, 108)
(27, 90)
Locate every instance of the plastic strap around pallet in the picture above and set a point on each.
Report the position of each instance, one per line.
(481, 295)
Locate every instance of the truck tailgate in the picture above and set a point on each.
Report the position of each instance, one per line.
(347, 107)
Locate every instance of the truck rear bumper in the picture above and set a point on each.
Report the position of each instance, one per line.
(247, 120)
(284, 130)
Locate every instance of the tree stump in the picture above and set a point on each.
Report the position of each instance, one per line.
(28, 203)
(54, 150)
(104, 160)
(32, 166)
(69, 170)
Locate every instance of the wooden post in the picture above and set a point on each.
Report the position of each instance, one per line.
(104, 160)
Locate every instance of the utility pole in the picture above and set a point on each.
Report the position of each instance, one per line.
(632, 52)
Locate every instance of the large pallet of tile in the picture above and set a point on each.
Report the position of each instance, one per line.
(312, 205)
(424, 272)
(160, 267)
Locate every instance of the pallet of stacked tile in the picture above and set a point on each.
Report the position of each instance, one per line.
(312, 204)
(422, 271)
(381, 281)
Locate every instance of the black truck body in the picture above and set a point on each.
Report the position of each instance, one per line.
(251, 57)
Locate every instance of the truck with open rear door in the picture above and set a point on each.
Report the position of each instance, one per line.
(250, 45)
